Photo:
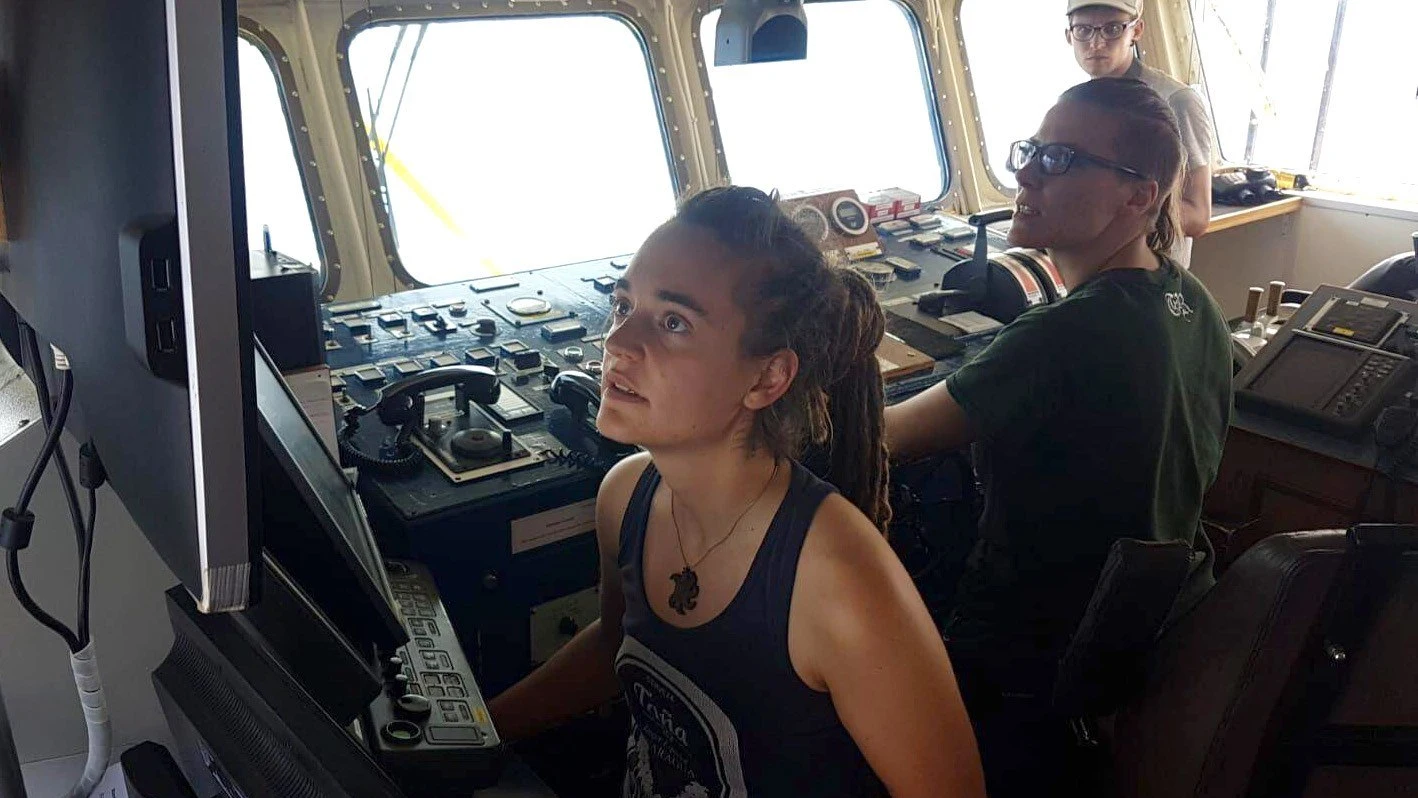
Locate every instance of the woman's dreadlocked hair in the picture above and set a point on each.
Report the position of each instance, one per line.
(792, 299)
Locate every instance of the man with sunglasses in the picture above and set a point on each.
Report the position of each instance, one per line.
(1105, 35)
(1096, 417)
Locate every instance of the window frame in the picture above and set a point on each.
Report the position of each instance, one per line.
(304, 149)
(656, 68)
(974, 107)
(929, 71)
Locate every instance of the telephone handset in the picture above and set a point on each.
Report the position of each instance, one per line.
(580, 393)
(475, 384)
(401, 404)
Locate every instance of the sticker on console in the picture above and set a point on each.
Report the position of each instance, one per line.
(546, 528)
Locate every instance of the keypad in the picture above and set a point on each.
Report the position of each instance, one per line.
(1355, 395)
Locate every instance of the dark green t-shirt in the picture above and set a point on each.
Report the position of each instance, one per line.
(1099, 417)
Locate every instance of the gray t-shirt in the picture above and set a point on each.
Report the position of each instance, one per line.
(1195, 126)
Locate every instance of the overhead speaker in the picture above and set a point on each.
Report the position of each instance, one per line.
(759, 31)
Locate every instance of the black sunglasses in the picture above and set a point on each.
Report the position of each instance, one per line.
(1055, 159)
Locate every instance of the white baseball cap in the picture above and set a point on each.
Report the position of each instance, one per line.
(1133, 7)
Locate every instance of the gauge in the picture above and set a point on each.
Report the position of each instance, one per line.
(849, 216)
(529, 306)
(812, 221)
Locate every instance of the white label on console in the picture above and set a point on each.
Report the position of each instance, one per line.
(548, 527)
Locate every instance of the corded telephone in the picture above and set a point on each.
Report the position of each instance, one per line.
(401, 404)
(580, 394)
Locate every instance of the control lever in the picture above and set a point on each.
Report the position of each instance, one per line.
(980, 222)
(932, 303)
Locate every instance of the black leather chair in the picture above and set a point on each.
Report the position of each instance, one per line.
(1039, 744)
(1297, 675)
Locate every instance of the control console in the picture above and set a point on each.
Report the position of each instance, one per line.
(1344, 356)
(431, 729)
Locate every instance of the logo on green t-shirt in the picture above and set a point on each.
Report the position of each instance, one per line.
(1177, 304)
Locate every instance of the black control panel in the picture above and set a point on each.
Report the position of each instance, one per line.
(1343, 357)
(431, 731)
(502, 505)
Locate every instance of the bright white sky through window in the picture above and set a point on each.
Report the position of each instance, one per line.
(1373, 110)
(1020, 63)
(512, 144)
(857, 113)
(275, 194)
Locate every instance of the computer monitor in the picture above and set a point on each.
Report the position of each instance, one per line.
(314, 524)
(115, 118)
(264, 700)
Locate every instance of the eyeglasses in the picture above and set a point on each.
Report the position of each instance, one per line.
(1055, 159)
(1112, 31)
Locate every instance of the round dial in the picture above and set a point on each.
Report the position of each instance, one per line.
(529, 306)
(812, 221)
(849, 216)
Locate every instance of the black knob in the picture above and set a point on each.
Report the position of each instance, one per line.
(458, 309)
(414, 705)
(399, 684)
(527, 359)
(485, 327)
(568, 626)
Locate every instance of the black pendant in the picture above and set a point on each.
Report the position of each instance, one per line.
(686, 591)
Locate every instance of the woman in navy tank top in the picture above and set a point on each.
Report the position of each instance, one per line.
(767, 639)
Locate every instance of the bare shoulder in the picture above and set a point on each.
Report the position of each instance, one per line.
(614, 495)
(853, 595)
(848, 566)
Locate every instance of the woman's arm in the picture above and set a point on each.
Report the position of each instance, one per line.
(581, 675)
(928, 423)
(859, 630)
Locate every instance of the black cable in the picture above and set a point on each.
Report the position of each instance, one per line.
(85, 569)
(12, 564)
(66, 480)
(54, 419)
(51, 443)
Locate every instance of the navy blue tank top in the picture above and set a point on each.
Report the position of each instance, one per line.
(717, 709)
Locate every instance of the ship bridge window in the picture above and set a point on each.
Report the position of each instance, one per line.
(501, 145)
(858, 112)
(1316, 87)
(275, 193)
(1020, 63)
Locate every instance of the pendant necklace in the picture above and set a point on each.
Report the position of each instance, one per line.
(686, 592)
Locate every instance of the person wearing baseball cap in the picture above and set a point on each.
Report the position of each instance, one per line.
(1104, 35)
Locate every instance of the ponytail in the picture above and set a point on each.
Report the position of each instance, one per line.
(1167, 230)
(856, 440)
